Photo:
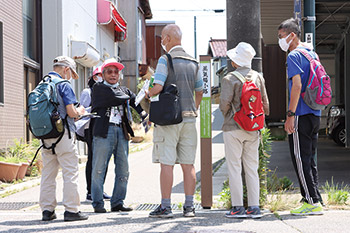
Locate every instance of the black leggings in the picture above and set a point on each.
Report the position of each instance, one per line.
(88, 168)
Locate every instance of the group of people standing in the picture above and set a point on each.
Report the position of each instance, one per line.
(109, 133)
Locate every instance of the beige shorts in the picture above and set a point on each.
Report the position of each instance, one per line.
(175, 143)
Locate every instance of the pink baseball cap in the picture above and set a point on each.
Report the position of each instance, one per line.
(112, 62)
(98, 70)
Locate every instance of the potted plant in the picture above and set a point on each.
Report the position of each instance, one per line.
(14, 160)
(8, 168)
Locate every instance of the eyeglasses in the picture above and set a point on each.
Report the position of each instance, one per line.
(109, 72)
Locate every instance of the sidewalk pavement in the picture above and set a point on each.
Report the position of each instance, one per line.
(24, 214)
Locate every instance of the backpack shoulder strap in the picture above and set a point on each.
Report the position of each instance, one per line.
(54, 79)
(239, 76)
(171, 71)
(170, 60)
(306, 54)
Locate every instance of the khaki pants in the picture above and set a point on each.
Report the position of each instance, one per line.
(242, 147)
(66, 157)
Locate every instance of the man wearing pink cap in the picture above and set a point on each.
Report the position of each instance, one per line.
(84, 132)
(111, 135)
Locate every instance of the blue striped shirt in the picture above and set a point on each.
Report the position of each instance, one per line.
(161, 75)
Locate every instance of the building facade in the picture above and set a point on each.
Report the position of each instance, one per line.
(133, 50)
(34, 32)
(12, 85)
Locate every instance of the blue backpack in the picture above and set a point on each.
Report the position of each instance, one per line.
(42, 117)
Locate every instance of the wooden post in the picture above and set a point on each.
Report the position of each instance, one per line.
(205, 131)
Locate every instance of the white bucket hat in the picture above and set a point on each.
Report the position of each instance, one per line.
(242, 54)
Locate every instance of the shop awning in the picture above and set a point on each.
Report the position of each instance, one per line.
(107, 13)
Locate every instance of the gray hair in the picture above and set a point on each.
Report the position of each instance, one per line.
(174, 31)
(290, 25)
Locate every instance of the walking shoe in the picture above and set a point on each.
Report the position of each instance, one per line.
(120, 207)
(88, 197)
(106, 196)
(100, 210)
(161, 213)
(307, 209)
(254, 212)
(48, 215)
(70, 216)
(236, 212)
(189, 211)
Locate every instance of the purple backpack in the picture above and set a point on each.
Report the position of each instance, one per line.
(318, 92)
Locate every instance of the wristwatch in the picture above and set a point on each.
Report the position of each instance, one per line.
(290, 113)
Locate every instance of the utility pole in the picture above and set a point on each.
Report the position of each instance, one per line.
(195, 37)
(243, 25)
(310, 21)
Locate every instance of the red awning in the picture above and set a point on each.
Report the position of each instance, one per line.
(107, 13)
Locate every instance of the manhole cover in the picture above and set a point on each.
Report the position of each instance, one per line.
(148, 207)
(15, 205)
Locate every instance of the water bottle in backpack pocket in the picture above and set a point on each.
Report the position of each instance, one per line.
(318, 92)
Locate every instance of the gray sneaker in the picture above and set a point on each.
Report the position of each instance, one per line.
(189, 212)
(254, 212)
(236, 212)
(161, 213)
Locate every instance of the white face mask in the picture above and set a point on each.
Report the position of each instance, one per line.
(99, 79)
(163, 46)
(284, 45)
(70, 76)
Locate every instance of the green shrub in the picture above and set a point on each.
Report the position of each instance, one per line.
(225, 195)
(264, 156)
(275, 184)
(337, 195)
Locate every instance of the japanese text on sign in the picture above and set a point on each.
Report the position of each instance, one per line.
(205, 71)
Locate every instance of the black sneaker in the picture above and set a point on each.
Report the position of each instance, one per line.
(48, 215)
(122, 208)
(161, 213)
(106, 196)
(100, 210)
(188, 212)
(236, 212)
(254, 212)
(88, 197)
(70, 216)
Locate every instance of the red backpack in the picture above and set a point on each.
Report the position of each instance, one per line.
(251, 116)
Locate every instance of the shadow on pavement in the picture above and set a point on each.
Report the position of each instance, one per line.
(134, 223)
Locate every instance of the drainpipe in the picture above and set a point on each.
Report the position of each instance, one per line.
(195, 37)
(310, 21)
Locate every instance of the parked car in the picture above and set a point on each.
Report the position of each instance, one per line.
(336, 124)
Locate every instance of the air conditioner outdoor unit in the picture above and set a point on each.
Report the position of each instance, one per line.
(85, 54)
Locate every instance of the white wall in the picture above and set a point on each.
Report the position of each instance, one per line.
(68, 20)
(105, 42)
(52, 32)
(79, 22)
